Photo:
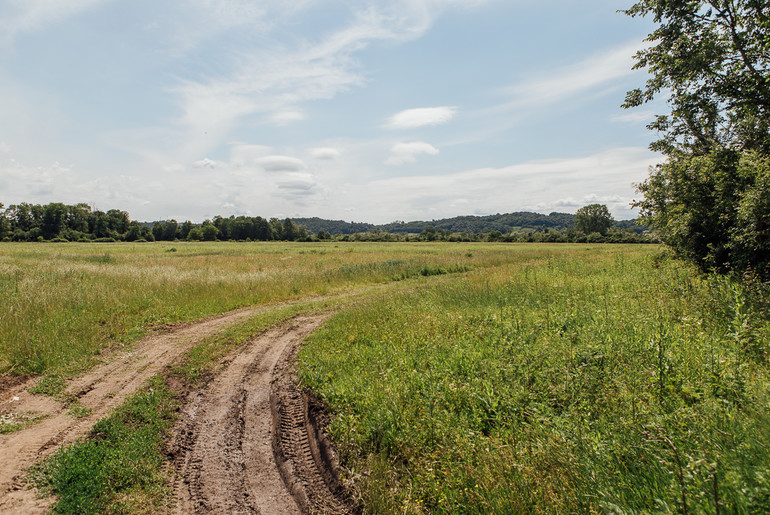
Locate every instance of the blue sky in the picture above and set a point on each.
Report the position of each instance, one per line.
(370, 110)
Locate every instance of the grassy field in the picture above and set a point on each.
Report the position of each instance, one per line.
(596, 380)
(64, 303)
(530, 378)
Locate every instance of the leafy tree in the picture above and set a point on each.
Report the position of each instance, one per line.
(708, 199)
(5, 224)
(428, 234)
(276, 229)
(53, 220)
(262, 229)
(195, 234)
(117, 221)
(209, 232)
(593, 218)
(185, 229)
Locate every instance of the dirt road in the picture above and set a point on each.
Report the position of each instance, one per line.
(226, 440)
(224, 451)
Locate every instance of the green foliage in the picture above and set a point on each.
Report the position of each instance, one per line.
(593, 218)
(713, 209)
(120, 463)
(63, 305)
(709, 199)
(566, 381)
(209, 232)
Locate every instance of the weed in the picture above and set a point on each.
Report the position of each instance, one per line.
(51, 386)
(553, 383)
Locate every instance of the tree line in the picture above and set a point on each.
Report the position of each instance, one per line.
(79, 222)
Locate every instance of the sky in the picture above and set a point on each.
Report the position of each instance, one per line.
(360, 110)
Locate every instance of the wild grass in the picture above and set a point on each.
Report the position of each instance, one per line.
(63, 303)
(121, 467)
(568, 380)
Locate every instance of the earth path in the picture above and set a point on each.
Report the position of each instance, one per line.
(228, 432)
(100, 390)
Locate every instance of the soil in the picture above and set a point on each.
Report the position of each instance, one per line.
(241, 440)
(225, 439)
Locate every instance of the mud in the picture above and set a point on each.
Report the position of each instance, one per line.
(242, 439)
(100, 390)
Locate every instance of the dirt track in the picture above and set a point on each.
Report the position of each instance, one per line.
(224, 448)
(224, 451)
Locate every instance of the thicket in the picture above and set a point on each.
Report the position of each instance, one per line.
(710, 199)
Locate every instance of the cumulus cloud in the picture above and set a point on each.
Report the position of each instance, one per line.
(325, 153)
(421, 117)
(281, 164)
(205, 163)
(403, 153)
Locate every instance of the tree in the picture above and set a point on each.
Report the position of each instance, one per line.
(53, 220)
(708, 199)
(5, 224)
(209, 232)
(593, 218)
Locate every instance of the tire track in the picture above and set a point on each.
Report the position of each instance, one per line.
(100, 390)
(224, 445)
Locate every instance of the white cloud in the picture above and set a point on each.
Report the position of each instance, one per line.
(403, 153)
(324, 153)
(281, 164)
(542, 185)
(174, 168)
(243, 153)
(17, 16)
(635, 117)
(590, 75)
(293, 184)
(420, 117)
(287, 116)
(205, 163)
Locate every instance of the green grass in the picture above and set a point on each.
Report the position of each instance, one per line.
(570, 380)
(121, 466)
(63, 303)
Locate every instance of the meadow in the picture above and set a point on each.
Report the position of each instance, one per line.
(467, 378)
(63, 304)
(573, 380)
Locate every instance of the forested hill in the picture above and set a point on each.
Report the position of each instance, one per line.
(505, 223)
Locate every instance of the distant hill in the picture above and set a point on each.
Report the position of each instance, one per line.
(521, 221)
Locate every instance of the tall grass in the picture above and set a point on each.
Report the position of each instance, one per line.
(62, 304)
(569, 380)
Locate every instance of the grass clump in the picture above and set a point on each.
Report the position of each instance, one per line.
(119, 466)
(12, 422)
(52, 386)
(571, 381)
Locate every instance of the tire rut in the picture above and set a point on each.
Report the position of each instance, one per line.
(225, 439)
(100, 390)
